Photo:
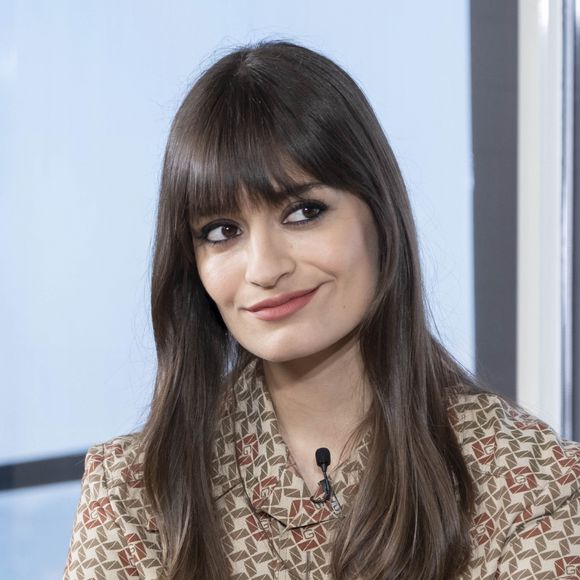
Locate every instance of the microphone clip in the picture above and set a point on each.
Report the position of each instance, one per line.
(323, 461)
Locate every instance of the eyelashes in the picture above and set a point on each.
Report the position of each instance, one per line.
(227, 228)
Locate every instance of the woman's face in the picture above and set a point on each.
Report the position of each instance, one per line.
(324, 243)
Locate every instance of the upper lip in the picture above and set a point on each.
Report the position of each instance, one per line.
(277, 300)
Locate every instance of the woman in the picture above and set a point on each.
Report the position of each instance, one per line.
(289, 317)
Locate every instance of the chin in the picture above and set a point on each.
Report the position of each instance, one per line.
(285, 351)
(274, 355)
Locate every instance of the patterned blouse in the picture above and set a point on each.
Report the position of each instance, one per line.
(526, 525)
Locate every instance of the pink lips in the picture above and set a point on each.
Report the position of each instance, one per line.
(284, 305)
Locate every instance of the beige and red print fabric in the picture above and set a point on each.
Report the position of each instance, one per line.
(526, 526)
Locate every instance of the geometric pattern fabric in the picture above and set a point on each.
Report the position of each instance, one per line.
(526, 525)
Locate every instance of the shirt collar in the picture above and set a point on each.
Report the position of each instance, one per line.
(263, 463)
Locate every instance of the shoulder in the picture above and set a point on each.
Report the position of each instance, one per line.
(118, 460)
(502, 439)
(113, 531)
(527, 488)
(115, 469)
(522, 469)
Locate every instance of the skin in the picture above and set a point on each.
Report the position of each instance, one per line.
(312, 364)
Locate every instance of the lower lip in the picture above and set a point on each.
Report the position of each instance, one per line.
(277, 312)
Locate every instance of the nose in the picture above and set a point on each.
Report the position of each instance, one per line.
(269, 257)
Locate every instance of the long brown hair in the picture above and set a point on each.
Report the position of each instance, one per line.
(257, 113)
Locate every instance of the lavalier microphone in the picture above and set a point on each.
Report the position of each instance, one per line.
(323, 461)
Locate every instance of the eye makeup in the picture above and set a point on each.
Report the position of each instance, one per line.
(207, 233)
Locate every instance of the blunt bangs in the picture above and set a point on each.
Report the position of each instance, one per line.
(253, 133)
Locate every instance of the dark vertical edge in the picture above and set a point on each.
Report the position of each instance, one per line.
(575, 395)
(494, 90)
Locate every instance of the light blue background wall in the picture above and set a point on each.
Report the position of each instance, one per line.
(87, 93)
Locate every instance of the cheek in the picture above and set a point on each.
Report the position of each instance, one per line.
(360, 269)
(218, 279)
(353, 250)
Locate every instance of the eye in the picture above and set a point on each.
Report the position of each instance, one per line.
(309, 209)
(300, 213)
(219, 233)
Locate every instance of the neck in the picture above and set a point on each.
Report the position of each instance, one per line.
(321, 400)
